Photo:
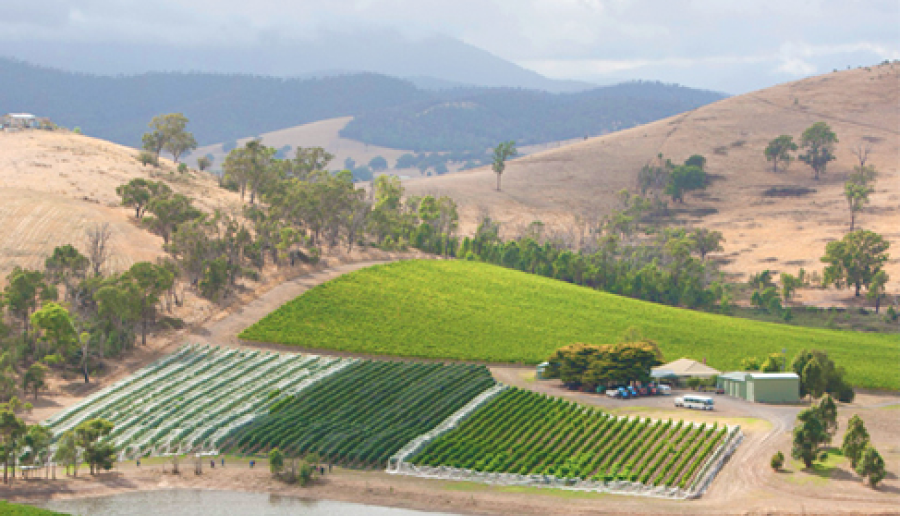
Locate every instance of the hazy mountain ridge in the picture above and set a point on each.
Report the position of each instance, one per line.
(478, 119)
(227, 107)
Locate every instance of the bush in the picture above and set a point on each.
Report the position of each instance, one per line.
(146, 158)
(182, 168)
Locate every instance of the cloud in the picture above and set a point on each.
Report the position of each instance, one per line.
(587, 39)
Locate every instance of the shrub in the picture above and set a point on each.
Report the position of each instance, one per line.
(146, 158)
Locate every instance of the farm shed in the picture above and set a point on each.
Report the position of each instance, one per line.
(684, 368)
(761, 387)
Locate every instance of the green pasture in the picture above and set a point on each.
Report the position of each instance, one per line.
(12, 509)
(473, 311)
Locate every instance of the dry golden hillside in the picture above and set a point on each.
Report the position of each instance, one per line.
(326, 134)
(54, 185)
(861, 106)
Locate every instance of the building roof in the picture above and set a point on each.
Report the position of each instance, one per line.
(662, 373)
(741, 376)
(22, 116)
(688, 367)
(774, 376)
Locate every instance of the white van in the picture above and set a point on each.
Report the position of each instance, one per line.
(694, 402)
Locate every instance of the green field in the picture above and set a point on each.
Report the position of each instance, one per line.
(473, 311)
(527, 433)
(365, 413)
(12, 509)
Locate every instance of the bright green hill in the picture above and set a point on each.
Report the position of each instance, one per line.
(473, 311)
(11, 509)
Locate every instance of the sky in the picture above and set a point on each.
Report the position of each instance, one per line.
(727, 45)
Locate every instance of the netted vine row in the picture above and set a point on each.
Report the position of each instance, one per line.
(193, 398)
(365, 414)
(526, 433)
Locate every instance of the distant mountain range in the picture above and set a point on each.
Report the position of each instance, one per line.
(473, 119)
(439, 61)
(389, 111)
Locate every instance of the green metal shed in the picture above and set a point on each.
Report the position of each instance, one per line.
(761, 387)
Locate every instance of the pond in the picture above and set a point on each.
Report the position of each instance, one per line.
(196, 502)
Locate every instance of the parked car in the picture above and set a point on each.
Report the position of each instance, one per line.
(623, 393)
(664, 390)
(612, 393)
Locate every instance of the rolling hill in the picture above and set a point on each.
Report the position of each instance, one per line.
(762, 232)
(223, 108)
(473, 311)
(54, 185)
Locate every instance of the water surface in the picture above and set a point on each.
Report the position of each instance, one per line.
(197, 502)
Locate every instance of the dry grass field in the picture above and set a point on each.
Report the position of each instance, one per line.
(861, 106)
(326, 134)
(54, 185)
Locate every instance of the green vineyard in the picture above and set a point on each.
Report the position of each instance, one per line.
(527, 433)
(367, 412)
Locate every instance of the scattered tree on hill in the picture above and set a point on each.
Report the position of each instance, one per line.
(502, 152)
(878, 288)
(779, 151)
(808, 437)
(96, 452)
(789, 285)
(205, 162)
(168, 213)
(696, 160)
(683, 179)
(862, 151)
(855, 259)
(871, 466)
(68, 267)
(773, 363)
(276, 461)
(378, 164)
(11, 431)
(586, 365)
(813, 378)
(149, 282)
(168, 133)
(67, 452)
(98, 239)
(34, 378)
(834, 376)
(828, 412)
(138, 192)
(707, 241)
(777, 461)
(750, 364)
(857, 190)
(307, 161)
(25, 290)
(856, 438)
(57, 328)
(37, 441)
(818, 140)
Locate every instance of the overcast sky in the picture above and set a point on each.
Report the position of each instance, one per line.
(732, 45)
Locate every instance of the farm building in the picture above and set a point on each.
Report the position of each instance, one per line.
(761, 387)
(682, 369)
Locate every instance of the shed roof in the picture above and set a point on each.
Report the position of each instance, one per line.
(688, 367)
(737, 376)
(774, 376)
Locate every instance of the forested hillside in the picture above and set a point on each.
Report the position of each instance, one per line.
(392, 112)
(220, 107)
(477, 119)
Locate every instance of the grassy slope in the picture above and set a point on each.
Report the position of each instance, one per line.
(11, 509)
(474, 311)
